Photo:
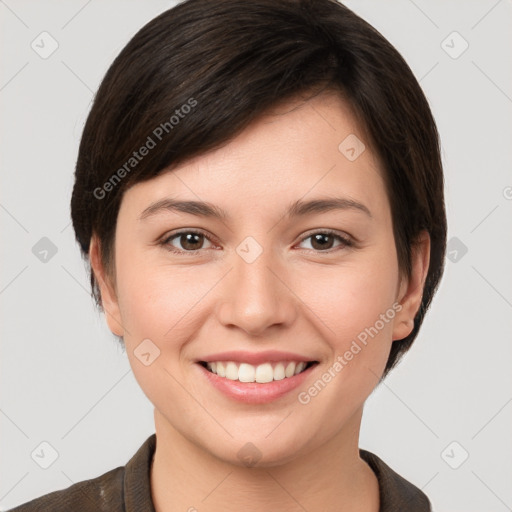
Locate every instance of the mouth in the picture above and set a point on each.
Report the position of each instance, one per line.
(262, 374)
(261, 384)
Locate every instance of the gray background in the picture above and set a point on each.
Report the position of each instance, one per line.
(65, 381)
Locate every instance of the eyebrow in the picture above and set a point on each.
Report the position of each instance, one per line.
(296, 209)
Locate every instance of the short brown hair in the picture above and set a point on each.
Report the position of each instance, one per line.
(229, 61)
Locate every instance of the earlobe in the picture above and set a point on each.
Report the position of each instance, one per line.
(411, 290)
(108, 295)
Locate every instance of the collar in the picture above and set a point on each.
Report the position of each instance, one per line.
(396, 493)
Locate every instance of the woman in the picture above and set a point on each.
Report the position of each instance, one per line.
(259, 192)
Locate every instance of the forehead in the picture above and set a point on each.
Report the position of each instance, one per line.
(297, 149)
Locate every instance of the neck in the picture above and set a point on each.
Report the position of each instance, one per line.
(186, 477)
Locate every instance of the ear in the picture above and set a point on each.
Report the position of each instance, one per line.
(411, 290)
(108, 295)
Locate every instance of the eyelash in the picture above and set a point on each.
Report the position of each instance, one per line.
(346, 242)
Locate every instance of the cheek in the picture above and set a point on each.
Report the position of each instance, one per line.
(155, 300)
(352, 298)
(354, 311)
(157, 304)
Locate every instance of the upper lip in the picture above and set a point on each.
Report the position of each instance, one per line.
(255, 358)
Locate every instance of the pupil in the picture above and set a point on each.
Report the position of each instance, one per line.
(320, 238)
(189, 237)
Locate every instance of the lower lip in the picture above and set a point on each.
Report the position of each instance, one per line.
(255, 392)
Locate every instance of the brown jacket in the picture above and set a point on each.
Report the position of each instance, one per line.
(127, 489)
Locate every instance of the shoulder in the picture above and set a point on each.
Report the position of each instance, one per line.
(396, 493)
(103, 493)
(123, 489)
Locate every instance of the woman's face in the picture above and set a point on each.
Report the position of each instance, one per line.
(321, 284)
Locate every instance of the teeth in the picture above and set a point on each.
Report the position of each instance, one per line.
(219, 369)
(263, 373)
(231, 371)
(266, 372)
(246, 372)
(300, 367)
(279, 373)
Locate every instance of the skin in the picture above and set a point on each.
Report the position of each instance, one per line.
(296, 296)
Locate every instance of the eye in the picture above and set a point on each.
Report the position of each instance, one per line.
(322, 241)
(191, 241)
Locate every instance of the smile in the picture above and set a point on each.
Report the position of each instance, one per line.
(276, 380)
(262, 373)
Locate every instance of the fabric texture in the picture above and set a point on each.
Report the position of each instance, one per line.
(127, 489)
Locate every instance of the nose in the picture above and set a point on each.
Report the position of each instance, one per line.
(256, 296)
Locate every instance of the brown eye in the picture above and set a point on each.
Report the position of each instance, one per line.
(322, 241)
(187, 241)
